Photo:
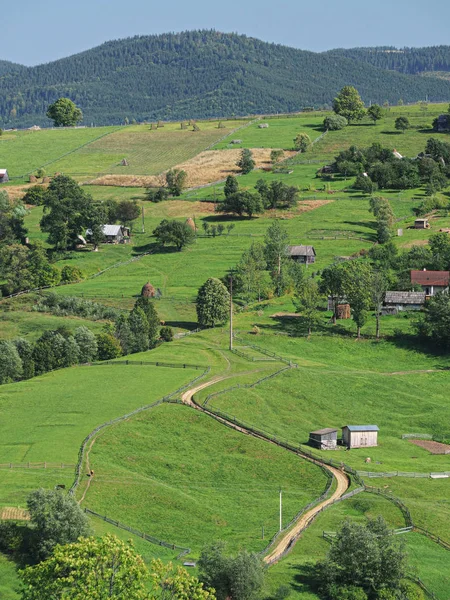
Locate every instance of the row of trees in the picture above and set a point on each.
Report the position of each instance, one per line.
(136, 331)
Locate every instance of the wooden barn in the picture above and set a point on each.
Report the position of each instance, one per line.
(398, 301)
(114, 234)
(360, 436)
(303, 254)
(324, 439)
(4, 177)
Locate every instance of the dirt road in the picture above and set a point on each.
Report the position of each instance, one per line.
(304, 520)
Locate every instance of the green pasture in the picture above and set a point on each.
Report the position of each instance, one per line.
(23, 152)
(427, 560)
(197, 480)
(53, 413)
(8, 579)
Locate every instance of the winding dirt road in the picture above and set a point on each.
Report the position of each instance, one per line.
(290, 537)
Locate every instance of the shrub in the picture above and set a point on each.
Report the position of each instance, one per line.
(157, 194)
(35, 195)
(335, 122)
(166, 334)
(108, 347)
(70, 273)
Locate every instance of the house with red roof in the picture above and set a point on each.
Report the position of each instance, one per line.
(431, 282)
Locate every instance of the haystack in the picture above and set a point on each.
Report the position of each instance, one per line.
(148, 291)
(343, 311)
(33, 179)
(124, 162)
(191, 223)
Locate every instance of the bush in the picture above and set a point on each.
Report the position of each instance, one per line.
(108, 347)
(35, 195)
(283, 592)
(166, 334)
(157, 194)
(335, 122)
(70, 274)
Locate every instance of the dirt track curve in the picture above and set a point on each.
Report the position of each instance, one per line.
(304, 520)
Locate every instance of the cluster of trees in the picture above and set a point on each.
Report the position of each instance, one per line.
(62, 559)
(222, 74)
(214, 230)
(126, 333)
(366, 562)
(267, 196)
(377, 167)
(382, 211)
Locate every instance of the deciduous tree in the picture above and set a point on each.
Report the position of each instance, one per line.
(176, 181)
(64, 113)
(213, 303)
(402, 124)
(246, 162)
(10, 363)
(375, 113)
(348, 104)
(174, 232)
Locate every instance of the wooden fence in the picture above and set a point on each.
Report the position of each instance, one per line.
(37, 465)
(141, 534)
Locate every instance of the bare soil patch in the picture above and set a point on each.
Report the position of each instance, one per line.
(432, 447)
(14, 514)
(207, 167)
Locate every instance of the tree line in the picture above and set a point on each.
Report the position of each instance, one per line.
(218, 75)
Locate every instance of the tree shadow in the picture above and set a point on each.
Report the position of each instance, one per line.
(415, 343)
(392, 132)
(155, 248)
(189, 325)
(297, 326)
(306, 578)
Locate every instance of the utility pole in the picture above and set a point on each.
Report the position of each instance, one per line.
(143, 222)
(231, 312)
(281, 510)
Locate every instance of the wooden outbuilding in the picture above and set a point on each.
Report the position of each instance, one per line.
(4, 177)
(303, 254)
(421, 224)
(399, 301)
(360, 436)
(324, 439)
(114, 234)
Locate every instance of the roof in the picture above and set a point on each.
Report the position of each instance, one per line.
(112, 229)
(3, 171)
(324, 431)
(301, 250)
(420, 220)
(431, 277)
(405, 298)
(362, 427)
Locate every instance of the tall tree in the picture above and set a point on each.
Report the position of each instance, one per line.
(231, 186)
(87, 344)
(67, 212)
(375, 113)
(138, 324)
(250, 272)
(64, 113)
(213, 303)
(246, 162)
(12, 213)
(174, 232)
(306, 301)
(357, 284)
(302, 142)
(348, 104)
(275, 250)
(11, 367)
(402, 124)
(25, 350)
(127, 211)
(152, 318)
(176, 181)
(378, 293)
(241, 203)
(332, 284)
(56, 518)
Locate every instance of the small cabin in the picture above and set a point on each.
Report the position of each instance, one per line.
(324, 439)
(4, 177)
(114, 234)
(421, 224)
(303, 254)
(399, 301)
(360, 436)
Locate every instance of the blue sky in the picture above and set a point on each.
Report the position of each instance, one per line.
(34, 32)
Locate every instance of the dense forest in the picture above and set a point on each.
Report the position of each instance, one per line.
(197, 74)
(411, 61)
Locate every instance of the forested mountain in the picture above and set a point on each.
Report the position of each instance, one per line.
(7, 67)
(404, 60)
(198, 74)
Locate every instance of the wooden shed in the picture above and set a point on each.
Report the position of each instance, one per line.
(360, 436)
(421, 224)
(324, 439)
(303, 254)
(4, 177)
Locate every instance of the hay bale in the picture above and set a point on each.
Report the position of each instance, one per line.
(46, 179)
(191, 223)
(124, 162)
(33, 179)
(148, 291)
(343, 311)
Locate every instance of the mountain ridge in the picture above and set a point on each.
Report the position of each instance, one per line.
(198, 74)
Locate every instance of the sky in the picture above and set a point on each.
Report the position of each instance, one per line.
(35, 32)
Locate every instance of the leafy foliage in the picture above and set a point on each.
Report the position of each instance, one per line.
(246, 162)
(64, 113)
(348, 104)
(176, 181)
(213, 303)
(241, 203)
(334, 122)
(174, 232)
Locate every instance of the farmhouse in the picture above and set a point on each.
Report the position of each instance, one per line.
(324, 439)
(431, 282)
(4, 177)
(360, 436)
(114, 234)
(302, 254)
(421, 224)
(398, 301)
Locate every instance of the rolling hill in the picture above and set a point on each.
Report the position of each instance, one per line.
(197, 74)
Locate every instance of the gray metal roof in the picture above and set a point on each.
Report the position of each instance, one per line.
(111, 229)
(405, 298)
(3, 171)
(362, 427)
(323, 431)
(301, 250)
